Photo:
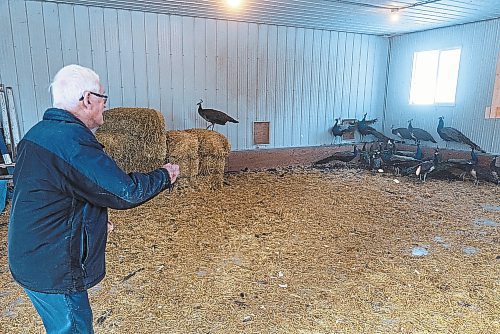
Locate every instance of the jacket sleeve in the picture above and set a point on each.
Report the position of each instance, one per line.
(95, 177)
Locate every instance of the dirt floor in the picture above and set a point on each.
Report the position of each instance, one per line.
(296, 251)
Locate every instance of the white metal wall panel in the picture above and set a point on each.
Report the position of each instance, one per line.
(242, 94)
(165, 67)
(354, 82)
(113, 65)
(189, 101)
(261, 74)
(232, 77)
(68, 34)
(139, 54)
(97, 40)
(126, 60)
(332, 74)
(323, 112)
(314, 88)
(480, 49)
(369, 77)
(53, 38)
(6, 45)
(82, 31)
(152, 66)
(23, 65)
(272, 54)
(306, 87)
(222, 65)
(210, 95)
(279, 112)
(339, 75)
(199, 66)
(289, 86)
(7, 55)
(380, 70)
(177, 71)
(38, 54)
(251, 114)
(298, 79)
(297, 115)
(361, 85)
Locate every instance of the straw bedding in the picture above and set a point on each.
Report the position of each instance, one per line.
(296, 251)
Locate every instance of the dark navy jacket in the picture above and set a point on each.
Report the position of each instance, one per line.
(63, 185)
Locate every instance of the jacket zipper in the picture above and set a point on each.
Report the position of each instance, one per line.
(85, 251)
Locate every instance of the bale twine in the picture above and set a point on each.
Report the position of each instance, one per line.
(142, 131)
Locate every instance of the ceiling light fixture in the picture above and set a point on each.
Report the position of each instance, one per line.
(394, 15)
(233, 3)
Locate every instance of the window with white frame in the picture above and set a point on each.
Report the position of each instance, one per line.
(434, 77)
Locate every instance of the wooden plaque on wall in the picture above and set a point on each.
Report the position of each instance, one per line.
(260, 133)
(494, 110)
(348, 135)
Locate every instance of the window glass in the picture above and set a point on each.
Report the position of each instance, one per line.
(434, 76)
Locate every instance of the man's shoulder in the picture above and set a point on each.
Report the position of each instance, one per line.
(60, 136)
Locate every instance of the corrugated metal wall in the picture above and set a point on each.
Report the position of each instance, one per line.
(480, 43)
(298, 79)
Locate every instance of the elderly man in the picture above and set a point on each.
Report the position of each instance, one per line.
(64, 183)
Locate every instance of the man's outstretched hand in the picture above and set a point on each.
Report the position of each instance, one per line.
(173, 171)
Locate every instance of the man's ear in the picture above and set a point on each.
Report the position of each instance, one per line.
(86, 100)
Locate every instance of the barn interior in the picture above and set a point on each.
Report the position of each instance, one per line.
(340, 160)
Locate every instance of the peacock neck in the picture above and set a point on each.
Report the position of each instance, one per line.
(441, 124)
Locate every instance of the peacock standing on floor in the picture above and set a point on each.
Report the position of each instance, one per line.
(344, 156)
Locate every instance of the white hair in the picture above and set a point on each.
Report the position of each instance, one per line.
(69, 85)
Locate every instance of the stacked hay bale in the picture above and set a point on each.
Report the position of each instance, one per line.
(134, 137)
(213, 149)
(182, 149)
(114, 146)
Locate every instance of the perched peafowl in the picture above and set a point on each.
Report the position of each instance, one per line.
(452, 134)
(214, 116)
(402, 133)
(418, 134)
(338, 130)
(364, 129)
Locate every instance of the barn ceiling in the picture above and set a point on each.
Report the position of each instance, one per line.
(377, 17)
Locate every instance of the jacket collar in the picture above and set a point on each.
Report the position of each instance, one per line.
(55, 114)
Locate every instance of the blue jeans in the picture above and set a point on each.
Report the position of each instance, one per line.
(63, 314)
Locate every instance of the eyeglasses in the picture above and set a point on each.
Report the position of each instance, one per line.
(105, 97)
